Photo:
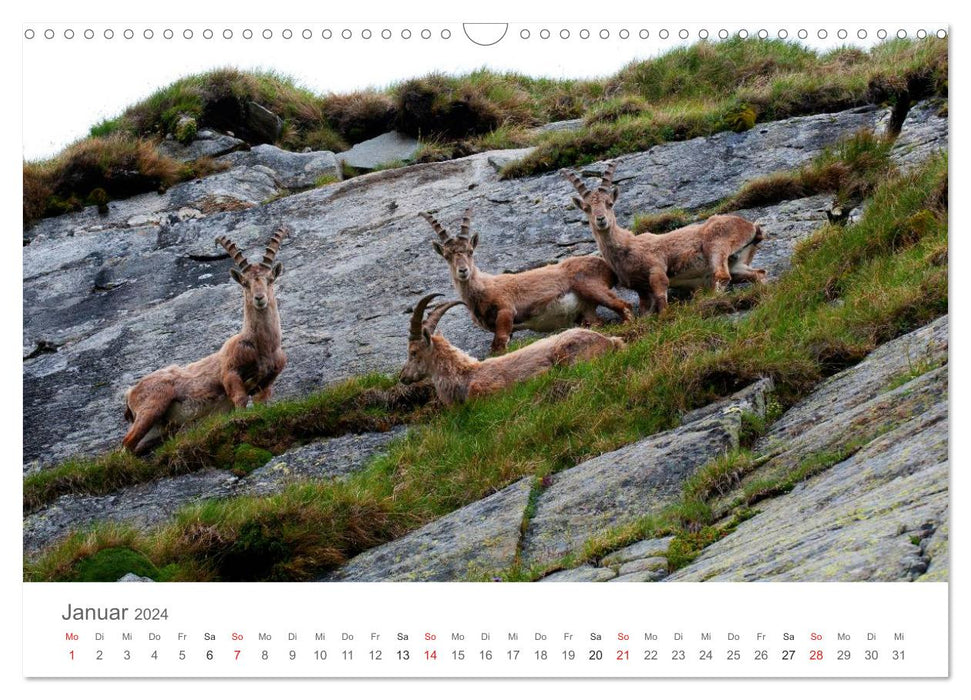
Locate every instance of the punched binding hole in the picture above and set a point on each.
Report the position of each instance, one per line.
(485, 33)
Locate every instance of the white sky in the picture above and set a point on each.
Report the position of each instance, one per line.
(72, 83)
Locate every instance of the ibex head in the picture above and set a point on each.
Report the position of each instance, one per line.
(256, 280)
(597, 204)
(420, 335)
(457, 250)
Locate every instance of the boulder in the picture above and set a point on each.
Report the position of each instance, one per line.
(261, 125)
(620, 487)
(481, 537)
(207, 144)
(291, 171)
(924, 131)
(336, 458)
(564, 125)
(391, 147)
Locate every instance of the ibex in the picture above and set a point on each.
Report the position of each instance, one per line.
(543, 299)
(719, 249)
(458, 377)
(246, 365)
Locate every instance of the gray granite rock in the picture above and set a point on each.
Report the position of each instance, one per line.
(381, 150)
(336, 458)
(925, 131)
(654, 565)
(881, 514)
(581, 574)
(500, 159)
(481, 537)
(751, 399)
(838, 395)
(291, 171)
(135, 578)
(652, 548)
(261, 125)
(619, 487)
(564, 125)
(647, 575)
(207, 144)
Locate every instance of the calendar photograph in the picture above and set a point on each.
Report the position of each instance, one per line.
(579, 302)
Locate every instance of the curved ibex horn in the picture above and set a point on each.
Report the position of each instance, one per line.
(442, 233)
(607, 179)
(466, 223)
(273, 247)
(241, 262)
(431, 323)
(577, 182)
(418, 316)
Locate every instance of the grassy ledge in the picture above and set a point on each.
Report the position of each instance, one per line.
(730, 86)
(242, 440)
(851, 288)
(850, 170)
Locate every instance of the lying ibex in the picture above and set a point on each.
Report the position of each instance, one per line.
(246, 365)
(719, 249)
(544, 299)
(458, 377)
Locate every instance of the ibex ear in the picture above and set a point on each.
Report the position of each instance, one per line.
(237, 275)
(474, 240)
(426, 336)
(579, 203)
(277, 270)
(438, 248)
(614, 192)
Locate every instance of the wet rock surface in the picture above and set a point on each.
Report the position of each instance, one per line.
(115, 297)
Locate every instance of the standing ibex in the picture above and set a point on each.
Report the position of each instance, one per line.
(543, 299)
(246, 365)
(458, 377)
(719, 249)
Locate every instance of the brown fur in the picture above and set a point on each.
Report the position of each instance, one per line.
(457, 376)
(712, 253)
(246, 365)
(542, 299)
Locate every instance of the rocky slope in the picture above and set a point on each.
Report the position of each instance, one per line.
(880, 514)
(110, 298)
